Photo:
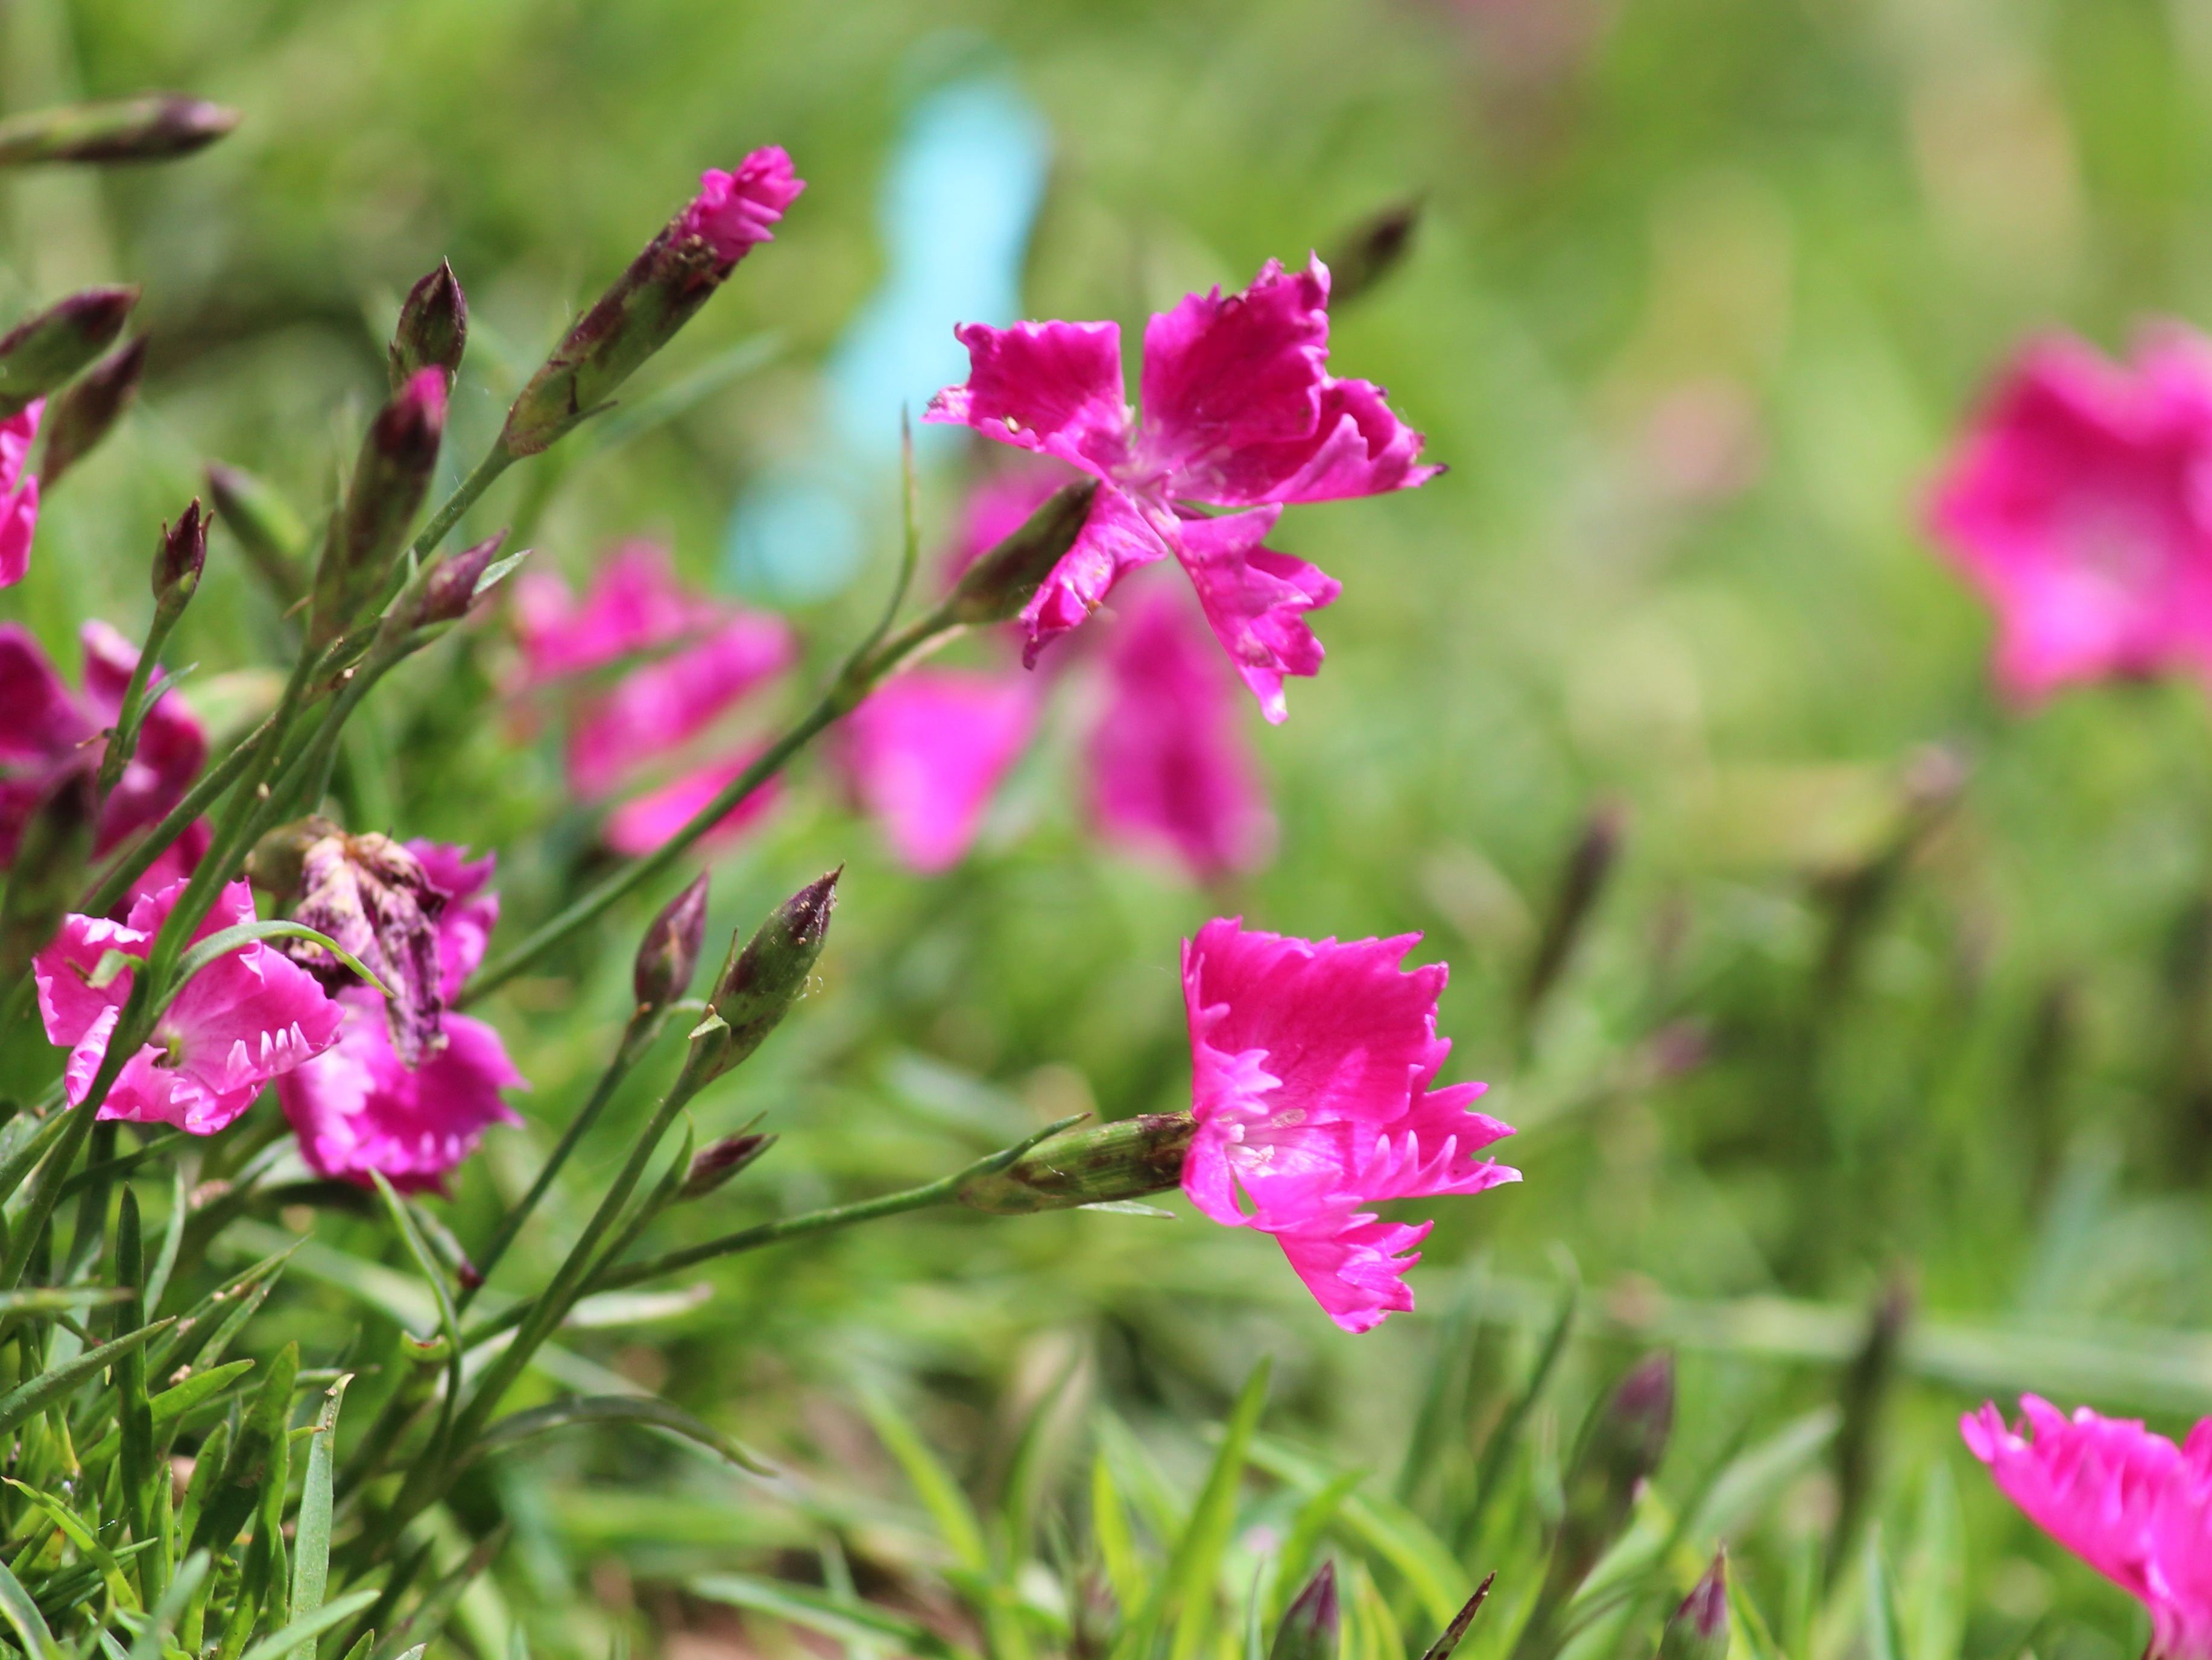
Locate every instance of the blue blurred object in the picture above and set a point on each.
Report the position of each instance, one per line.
(962, 192)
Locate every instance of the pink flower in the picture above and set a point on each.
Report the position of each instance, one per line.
(645, 824)
(736, 212)
(2129, 1503)
(657, 706)
(19, 493)
(47, 731)
(1311, 1064)
(1170, 769)
(635, 605)
(244, 1019)
(1239, 412)
(925, 751)
(2080, 504)
(357, 1109)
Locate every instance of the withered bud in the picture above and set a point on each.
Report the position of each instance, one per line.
(761, 980)
(1622, 1446)
(1126, 1159)
(393, 474)
(1369, 251)
(451, 587)
(668, 956)
(272, 535)
(718, 1161)
(182, 558)
(42, 351)
(158, 127)
(87, 410)
(999, 583)
(433, 329)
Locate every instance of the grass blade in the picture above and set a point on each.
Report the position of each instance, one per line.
(38, 1393)
(311, 1565)
(149, 1644)
(845, 1623)
(30, 1626)
(1196, 1563)
(301, 1634)
(933, 1484)
(647, 1409)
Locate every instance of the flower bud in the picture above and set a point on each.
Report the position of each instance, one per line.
(41, 352)
(433, 327)
(389, 482)
(265, 526)
(1309, 1627)
(1581, 883)
(451, 587)
(155, 128)
(1125, 1159)
(1625, 1439)
(718, 1161)
(1002, 581)
(177, 567)
(278, 860)
(1369, 251)
(83, 414)
(655, 297)
(48, 870)
(759, 983)
(668, 955)
(1699, 1629)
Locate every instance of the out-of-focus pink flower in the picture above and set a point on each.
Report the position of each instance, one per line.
(1168, 767)
(19, 493)
(997, 507)
(2129, 1503)
(657, 706)
(927, 749)
(1311, 1064)
(357, 1108)
(645, 824)
(738, 211)
(46, 729)
(2081, 503)
(249, 1016)
(1239, 411)
(635, 605)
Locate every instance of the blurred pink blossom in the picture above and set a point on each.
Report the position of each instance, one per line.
(1311, 1063)
(645, 823)
(738, 211)
(657, 706)
(19, 493)
(357, 1108)
(927, 749)
(249, 1016)
(2079, 502)
(1239, 411)
(2129, 1503)
(635, 605)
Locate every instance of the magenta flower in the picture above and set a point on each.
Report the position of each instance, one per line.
(19, 493)
(927, 749)
(2080, 504)
(635, 605)
(249, 1016)
(1239, 411)
(1170, 767)
(47, 731)
(645, 823)
(357, 1108)
(658, 706)
(2129, 1503)
(1311, 1064)
(737, 212)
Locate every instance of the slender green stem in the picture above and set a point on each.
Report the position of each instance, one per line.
(867, 665)
(111, 888)
(496, 461)
(131, 715)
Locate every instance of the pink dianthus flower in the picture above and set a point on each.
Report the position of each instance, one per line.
(738, 211)
(2128, 1502)
(1239, 411)
(2080, 503)
(249, 1016)
(927, 749)
(357, 1108)
(635, 605)
(1311, 1066)
(19, 493)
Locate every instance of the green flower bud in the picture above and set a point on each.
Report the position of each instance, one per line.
(41, 352)
(718, 1161)
(155, 128)
(1309, 1627)
(999, 584)
(668, 956)
(760, 981)
(389, 482)
(88, 409)
(274, 539)
(433, 328)
(1625, 1439)
(1699, 1629)
(1125, 1159)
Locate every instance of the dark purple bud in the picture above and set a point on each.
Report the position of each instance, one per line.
(156, 128)
(184, 554)
(1622, 1444)
(718, 1161)
(1590, 863)
(47, 873)
(1699, 1629)
(450, 587)
(1309, 1627)
(41, 352)
(433, 329)
(1369, 251)
(274, 539)
(1102, 1164)
(85, 411)
(398, 459)
(1002, 581)
(668, 955)
(761, 980)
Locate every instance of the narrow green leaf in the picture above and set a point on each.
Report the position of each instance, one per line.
(301, 1634)
(429, 1615)
(1885, 1636)
(38, 1392)
(1110, 1526)
(845, 1622)
(1936, 1610)
(449, 1321)
(1449, 1639)
(312, 1563)
(58, 1299)
(1498, 1451)
(149, 1644)
(86, 1543)
(238, 935)
(1386, 1527)
(939, 1494)
(1195, 1564)
(30, 1626)
(169, 1406)
(37, 1136)
(647, 1409)
(187, 1339)
(258, 1444)
(1752, 1481)
(173, 1240)
(1304, 1539)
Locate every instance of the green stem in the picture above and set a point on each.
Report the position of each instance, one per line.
(496, 461)
(862, 672)
(131, 715)
(111, 889)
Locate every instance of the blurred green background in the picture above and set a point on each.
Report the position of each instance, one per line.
(1890, 985)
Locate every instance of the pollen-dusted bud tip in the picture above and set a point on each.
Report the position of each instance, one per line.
(433, 329)
(999, 583)
(761, 981)
(718, 1161)
(184, 554)
(1126, 1159)
(1699, 1629)
(668, 955)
